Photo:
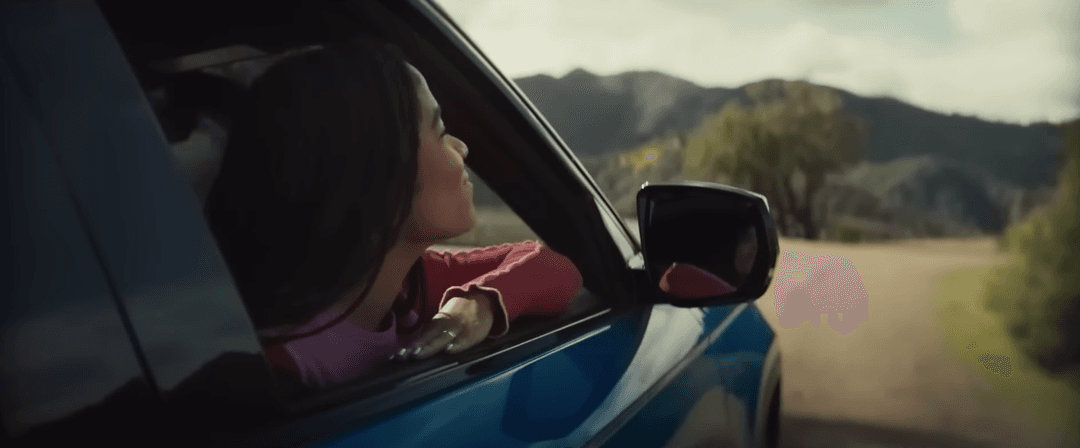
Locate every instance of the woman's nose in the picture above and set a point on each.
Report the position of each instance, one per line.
(463, 149)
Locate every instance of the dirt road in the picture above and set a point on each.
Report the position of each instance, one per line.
(894, 372)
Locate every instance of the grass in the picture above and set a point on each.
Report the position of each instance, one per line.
(1050, 400)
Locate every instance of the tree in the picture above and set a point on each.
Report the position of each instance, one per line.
(780, 147)
(1038, 292)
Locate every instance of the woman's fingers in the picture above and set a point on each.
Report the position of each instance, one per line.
(438, 344)
(440, 333)
(462, 323)
(464, 341)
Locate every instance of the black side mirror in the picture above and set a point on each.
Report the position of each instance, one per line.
(706, 244)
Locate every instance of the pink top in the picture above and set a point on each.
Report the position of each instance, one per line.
(521, 279)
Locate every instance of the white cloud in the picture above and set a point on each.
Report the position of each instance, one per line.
(1003, 19)
(1015, 61)
(810, 49)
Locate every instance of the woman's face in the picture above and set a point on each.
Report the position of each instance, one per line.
(443, 205)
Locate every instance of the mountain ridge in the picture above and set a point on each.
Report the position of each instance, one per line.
(597, 115)
(964, 175)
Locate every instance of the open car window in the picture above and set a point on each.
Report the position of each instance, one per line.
(193, 106)
(194, 112)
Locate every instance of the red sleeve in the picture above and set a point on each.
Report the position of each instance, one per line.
(521, 279)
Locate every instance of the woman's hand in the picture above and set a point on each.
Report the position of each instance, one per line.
(462, 323)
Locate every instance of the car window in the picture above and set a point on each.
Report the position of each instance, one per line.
(194, 108)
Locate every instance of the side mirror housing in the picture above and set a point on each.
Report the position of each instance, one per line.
(706, 244)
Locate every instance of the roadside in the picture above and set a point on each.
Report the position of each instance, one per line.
(977, 337)
(807, 432)
(905, 377)
(899, 370)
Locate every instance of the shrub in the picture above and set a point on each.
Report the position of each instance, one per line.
(1037, 292)
(846, 234)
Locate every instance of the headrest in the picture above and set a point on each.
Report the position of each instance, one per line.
(195, 111)
(199, 157)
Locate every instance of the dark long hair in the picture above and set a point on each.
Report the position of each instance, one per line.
(317, 180)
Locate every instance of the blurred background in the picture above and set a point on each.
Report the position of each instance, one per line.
(934, 144)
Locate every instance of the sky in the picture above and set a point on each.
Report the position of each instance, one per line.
(1014, 61)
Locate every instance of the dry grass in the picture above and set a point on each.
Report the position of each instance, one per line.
(907, 367)
(973, 331)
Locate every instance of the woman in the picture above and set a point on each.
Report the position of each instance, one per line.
(338, 177)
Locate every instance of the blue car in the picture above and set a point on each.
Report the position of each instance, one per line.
(124, 327)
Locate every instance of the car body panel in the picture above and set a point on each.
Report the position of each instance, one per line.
(727, 363)
(549, 401)
(536, 402)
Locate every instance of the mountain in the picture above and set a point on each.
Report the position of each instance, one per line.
(598, 115)
(926, 173)
(938, 189)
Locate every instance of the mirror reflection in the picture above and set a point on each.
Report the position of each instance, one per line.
(716, 264)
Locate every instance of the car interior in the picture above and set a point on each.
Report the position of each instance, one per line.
(193, 67)
(193, 108)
